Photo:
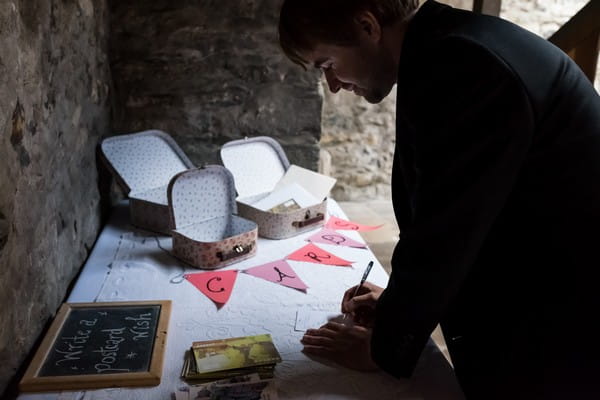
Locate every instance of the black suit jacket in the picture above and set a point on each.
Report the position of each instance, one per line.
(496, 188)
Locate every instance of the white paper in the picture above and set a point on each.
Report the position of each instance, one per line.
(288, 192)
(314, 319)
(317, 184)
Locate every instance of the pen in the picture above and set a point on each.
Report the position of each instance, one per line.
(362, 280)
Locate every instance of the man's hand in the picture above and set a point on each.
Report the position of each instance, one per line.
(362, 306)
(349, 346)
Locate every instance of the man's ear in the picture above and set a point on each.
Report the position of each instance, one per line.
(368, 26)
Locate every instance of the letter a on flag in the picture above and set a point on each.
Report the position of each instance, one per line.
(278, 272)
(217, 286)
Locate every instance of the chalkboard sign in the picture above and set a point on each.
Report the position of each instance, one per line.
(93, 345)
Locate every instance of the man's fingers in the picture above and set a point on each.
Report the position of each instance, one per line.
(366, 296)
(347, 296)
(334, 327)
(348, 346)
(372, 287)
(318, 351)
(322, 341)
(360, 332)
(349, 293)
(330, 330)
(366, 289)
(365, 300)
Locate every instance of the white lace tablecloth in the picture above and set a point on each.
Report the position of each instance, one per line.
(130, 264)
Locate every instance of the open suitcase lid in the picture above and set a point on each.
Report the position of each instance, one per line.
(144, 160)
(257, 164)
(201, 194)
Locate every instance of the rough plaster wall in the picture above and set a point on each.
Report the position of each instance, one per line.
(361, 137)
(53, 109)
(208, 72)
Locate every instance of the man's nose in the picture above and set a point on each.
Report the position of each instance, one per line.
(334, 84)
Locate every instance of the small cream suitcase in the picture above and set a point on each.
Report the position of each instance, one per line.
(257, 164)
(206, 232)
(143, 163)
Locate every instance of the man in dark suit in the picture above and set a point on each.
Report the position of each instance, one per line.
(496, 188)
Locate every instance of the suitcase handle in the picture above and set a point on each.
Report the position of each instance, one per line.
(308, 221)
(237, 251)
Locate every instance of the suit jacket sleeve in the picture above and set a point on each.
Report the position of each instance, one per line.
(473, 128)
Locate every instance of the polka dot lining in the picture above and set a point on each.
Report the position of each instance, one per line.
(257, 164)
(207, 234)
(202, 194)
(145, 160)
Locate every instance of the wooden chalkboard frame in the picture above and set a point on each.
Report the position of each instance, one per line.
(32, 382)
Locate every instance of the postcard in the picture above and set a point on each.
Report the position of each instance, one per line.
(313, 319)
(317, 184)
(234, 353)
(238, 391)
(287, 195)
(285, 207)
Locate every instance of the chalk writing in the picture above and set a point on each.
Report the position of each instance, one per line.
(70, 346)
(142, 326)
(110, 351)
(103, 340)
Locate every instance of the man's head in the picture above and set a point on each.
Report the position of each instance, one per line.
(351, 41)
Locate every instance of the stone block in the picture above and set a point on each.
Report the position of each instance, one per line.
(214, 73)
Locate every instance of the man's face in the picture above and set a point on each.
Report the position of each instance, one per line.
(363, 69)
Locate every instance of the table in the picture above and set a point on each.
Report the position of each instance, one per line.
(131, 264)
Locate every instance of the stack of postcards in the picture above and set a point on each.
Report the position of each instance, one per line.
(212, 360)
(243, 387)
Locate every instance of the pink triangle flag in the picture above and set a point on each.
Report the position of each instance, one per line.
(341, 224)
(279, 272)
(328, 236)
(216, 285)
(314, 254)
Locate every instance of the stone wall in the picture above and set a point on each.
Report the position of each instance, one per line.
(208, 72)
(53, 109)
(360, 137)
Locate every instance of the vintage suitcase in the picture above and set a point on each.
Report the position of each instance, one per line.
(257, 165)
(206, 232)
(143, 163)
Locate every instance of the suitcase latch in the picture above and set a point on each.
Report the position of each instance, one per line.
(238, 250)
(308, 220)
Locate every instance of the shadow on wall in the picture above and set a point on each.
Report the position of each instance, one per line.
(3, 231)
(54, 77)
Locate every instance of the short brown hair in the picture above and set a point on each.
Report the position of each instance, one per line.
(304, 23)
